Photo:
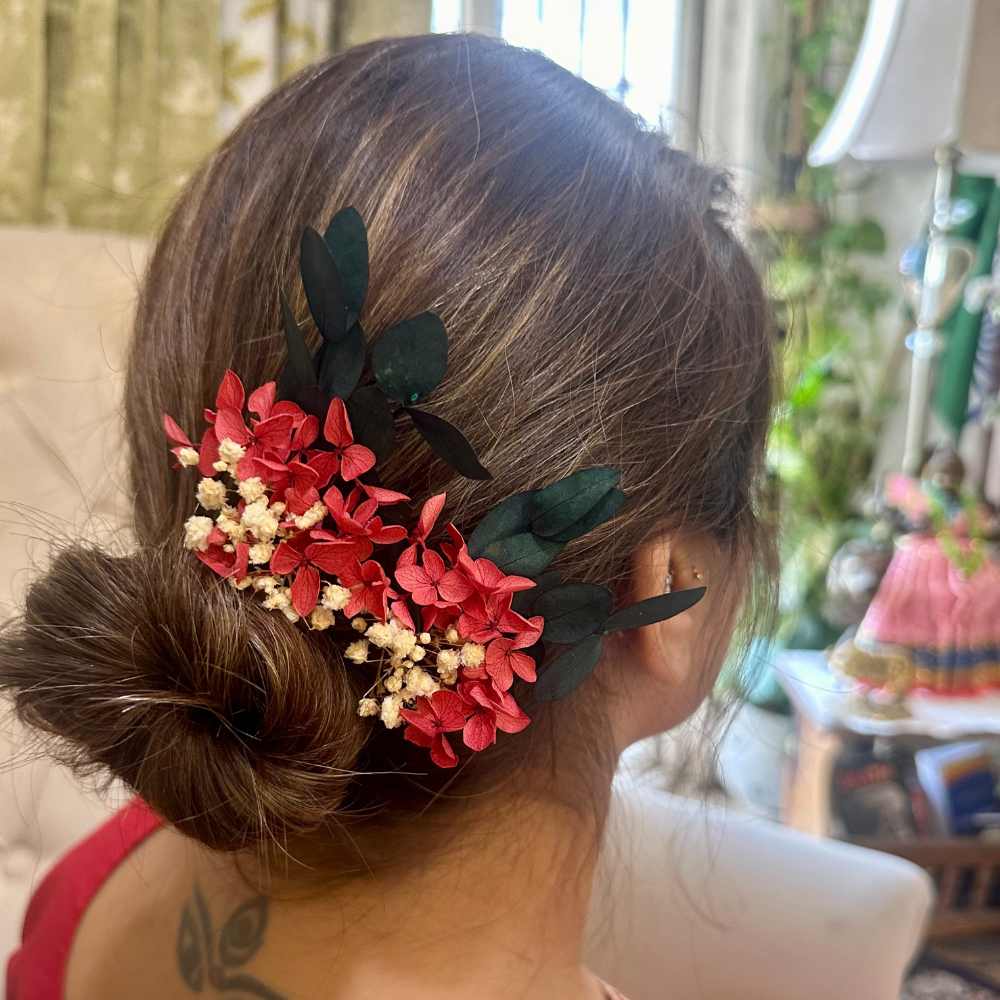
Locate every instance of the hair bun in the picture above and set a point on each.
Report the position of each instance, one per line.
(231, 722)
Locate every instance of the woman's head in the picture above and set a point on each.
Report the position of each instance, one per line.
(599, 311)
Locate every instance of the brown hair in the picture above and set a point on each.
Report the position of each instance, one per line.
(600, 311)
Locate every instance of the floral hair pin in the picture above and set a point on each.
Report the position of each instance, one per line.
(291, 508)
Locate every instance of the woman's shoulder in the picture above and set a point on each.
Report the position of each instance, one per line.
(37, 969)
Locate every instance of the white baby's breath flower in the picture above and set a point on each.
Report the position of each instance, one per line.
(380, 634)
(419, 682)
(230, 452)
(196, 532)
(357, 652)
(402, 642)
(335, 597)
(359, 624)
(229, 547)
(447, 659)
(451, 634)
(391, 705)
(417, 653)
(394, 682)
(212, 494)
(281, 600)
(367, 706)
(187, 456)
(252, 489)
(260, 521)
(472, 654)
(278, 508)
(233, 528)
(261, 553)
(320, 618)
(220, 466)
(266, 583)
(424, 637)
(311, 517)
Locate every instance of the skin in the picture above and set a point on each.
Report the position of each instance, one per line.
(510, 892)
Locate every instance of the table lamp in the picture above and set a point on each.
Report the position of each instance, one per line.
(925, 84)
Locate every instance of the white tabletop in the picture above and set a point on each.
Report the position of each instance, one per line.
(826, 698)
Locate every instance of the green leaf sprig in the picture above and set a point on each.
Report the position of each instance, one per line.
(408, 361)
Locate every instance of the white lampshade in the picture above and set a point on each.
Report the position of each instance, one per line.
(927, 74)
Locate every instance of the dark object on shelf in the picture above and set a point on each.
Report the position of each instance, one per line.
(869, 795)
(855, 572)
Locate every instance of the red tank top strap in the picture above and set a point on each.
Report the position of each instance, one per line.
(37, 969)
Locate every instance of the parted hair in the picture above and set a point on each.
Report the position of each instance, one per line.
(601, 311)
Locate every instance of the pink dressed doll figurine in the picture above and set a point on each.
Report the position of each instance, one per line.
(940, 598)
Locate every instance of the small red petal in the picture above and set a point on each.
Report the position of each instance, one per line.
(480, 731)
(402, 612)
(337, 429)
(305, 590)
(174, 431)
(285, 558)
(429, 514)
(230, 393)
(356, 461)
(261, 400)
(383, 497)
(229, 424)
(209, 453)
(454, 587)
(442, 753)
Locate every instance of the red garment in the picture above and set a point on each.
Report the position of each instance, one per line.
(37, 969)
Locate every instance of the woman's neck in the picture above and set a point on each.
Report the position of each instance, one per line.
(494, 911)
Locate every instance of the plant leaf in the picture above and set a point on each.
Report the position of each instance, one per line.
(524, 600)
(567, 672)
(558, 506)
(371, 420)
(522, 555)
(347, 240)
(602, 511)
(324, 289)
(298, 380)
(655, 609)
(510, 517)
(573, 611)
(410, 358)
(449, 442)
(340, 363)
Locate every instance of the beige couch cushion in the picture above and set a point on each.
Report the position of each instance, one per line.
(66, 300)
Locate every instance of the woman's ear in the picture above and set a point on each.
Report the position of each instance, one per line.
(670, 666)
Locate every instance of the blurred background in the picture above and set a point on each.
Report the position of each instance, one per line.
(864, 140)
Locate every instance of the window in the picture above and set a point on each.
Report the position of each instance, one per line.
(625, 47)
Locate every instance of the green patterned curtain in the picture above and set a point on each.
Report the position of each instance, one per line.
(106, 106)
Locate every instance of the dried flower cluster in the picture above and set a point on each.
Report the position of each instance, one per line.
(284, 512)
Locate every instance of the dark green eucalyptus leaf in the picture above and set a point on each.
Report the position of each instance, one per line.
(298, 373)
(340, 363)
(573, 611)
(410, 358)
(510, 517)
(449, 442)
(567, 672)
(524, 600)
(324, 289)
(371, 419)
(602, 511)
(243, 933)
(655, 609)
(563, 503)
(347, 241)
(522, 555)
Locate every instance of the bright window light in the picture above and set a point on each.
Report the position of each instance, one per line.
(625, 47)
(446, 15)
